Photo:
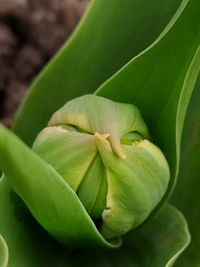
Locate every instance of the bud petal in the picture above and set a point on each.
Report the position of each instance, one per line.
(69, 152)
(135, 185)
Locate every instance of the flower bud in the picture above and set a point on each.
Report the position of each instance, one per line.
(100, 148)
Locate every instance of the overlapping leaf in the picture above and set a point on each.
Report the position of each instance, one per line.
(186, 195)
(48, 196)
(146, 247)
(111, 33)
(155, 83)
(159, 81)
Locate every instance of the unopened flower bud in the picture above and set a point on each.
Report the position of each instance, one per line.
(101, 149)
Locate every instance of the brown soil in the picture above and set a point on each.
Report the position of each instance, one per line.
(31, 31)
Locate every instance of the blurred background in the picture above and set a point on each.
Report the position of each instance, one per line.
(31, 31)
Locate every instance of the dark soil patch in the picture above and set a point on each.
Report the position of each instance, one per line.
(31, 31)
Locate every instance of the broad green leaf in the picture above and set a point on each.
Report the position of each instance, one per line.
(166, 236)
(3, 252)
(186, 195)
(49, 198)
(110, 34)
(156, 244)
(158, 86)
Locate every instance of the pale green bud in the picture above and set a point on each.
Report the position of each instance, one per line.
(100, 148)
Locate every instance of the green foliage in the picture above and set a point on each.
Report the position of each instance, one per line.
(159, 81)
(188, 182)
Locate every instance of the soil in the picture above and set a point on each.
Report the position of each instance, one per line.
(31, 31)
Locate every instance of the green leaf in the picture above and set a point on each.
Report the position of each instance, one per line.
(162, 239)
(49, 198)
(110, 34)
(156, 244)
(3, 252)
(155, 83)
(186, 195)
